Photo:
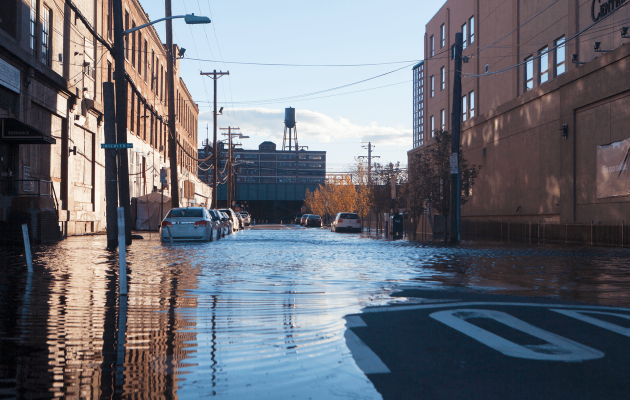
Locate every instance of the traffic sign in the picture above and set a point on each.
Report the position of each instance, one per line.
(116, 145)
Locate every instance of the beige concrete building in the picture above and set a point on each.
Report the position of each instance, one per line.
(51, 105)
(540, 105)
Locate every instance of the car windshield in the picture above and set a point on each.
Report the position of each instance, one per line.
(348, 216)
(185, 213)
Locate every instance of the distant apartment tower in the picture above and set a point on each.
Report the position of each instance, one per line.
(418, 105)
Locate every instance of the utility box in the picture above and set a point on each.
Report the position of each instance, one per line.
(397, 224)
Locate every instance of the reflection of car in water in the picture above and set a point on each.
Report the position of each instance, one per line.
(188, 224)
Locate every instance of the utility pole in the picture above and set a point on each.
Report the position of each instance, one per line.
(172, 138)
(369, 157)
(215, 76)
(455, 231)
(121, 115)
(229, 166)
(111, 182)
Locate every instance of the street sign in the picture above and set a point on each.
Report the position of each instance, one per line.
(454, 161)
(116, 145)
(163, 177)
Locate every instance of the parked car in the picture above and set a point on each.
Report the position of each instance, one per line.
(247, 220)
(233, 217)
(298, 218)
(217, 217)
(349, 222)
(241, 224)
(303, 219)
(227, 221)
(188, 224)
(314, 220)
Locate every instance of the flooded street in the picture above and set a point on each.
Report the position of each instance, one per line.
(258, 314)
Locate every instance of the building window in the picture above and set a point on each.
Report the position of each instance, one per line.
(133, 45)
(139, 53)
(153, 71)
(544, 65)
(471, 22)
(33, 26)
(529, 73)
(560, 56)
(443, 77)
(442, 120)
(126, 36)
(464, 36)
(464, 108)
(46, 28)
(432, 86)
(442, 36)
(432, 46)
(146, 57)
(110, 19)
(471, 101)
(432, 119)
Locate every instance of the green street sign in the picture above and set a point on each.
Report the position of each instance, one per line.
(116, 145)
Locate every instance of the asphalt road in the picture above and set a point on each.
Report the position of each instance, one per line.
(464, 345)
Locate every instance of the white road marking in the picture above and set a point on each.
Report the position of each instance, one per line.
(487, 303)
(557, 347)
(355, 321)
(365, 358)
(596, 321)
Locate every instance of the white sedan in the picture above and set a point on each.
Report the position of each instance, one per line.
(189, 224)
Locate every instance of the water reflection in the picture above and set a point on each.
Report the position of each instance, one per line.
(257, 315)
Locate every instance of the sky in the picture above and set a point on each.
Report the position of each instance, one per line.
(369, 103)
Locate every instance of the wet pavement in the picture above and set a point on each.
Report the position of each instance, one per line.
(259, 314)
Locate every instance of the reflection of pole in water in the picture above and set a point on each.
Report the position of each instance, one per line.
(289, 323)
(120, 346)
(213, 347)
(109, 328)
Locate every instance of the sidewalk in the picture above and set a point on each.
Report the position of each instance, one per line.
(456, 344)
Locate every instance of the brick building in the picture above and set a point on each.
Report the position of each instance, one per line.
(540, 105)
(51, 104)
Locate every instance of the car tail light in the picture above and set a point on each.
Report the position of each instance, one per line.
(358, 221)
(201, 223)
(166, 223)
(340, 220)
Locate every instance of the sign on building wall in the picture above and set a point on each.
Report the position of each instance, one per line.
(612, 169)
(9, 76)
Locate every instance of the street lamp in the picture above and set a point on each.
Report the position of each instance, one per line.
(121, 103)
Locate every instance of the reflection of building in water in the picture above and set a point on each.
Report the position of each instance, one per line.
(66, 343)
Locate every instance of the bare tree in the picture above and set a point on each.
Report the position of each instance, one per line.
(430, 180)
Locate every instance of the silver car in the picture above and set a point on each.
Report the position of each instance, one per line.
(247, 220)
(188, 224)
(236, 225)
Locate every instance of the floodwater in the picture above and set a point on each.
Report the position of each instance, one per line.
(258, 314)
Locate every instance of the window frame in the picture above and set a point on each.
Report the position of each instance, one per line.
(471, 23)
(431, 46)
(471, 104)
(560, 44)
(543, 62)
(464, 108)
(465, 35)
(529, 62)
(432, 119)
(443, 119)
(46, 43)
(33, 26)
(443, 78)
(133, 45)
(432, 86)
(442, 35)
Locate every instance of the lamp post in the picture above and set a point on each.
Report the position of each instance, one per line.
(121, 101)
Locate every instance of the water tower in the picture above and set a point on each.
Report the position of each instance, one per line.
(290, 131)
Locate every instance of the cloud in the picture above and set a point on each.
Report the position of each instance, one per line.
(269, 125)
